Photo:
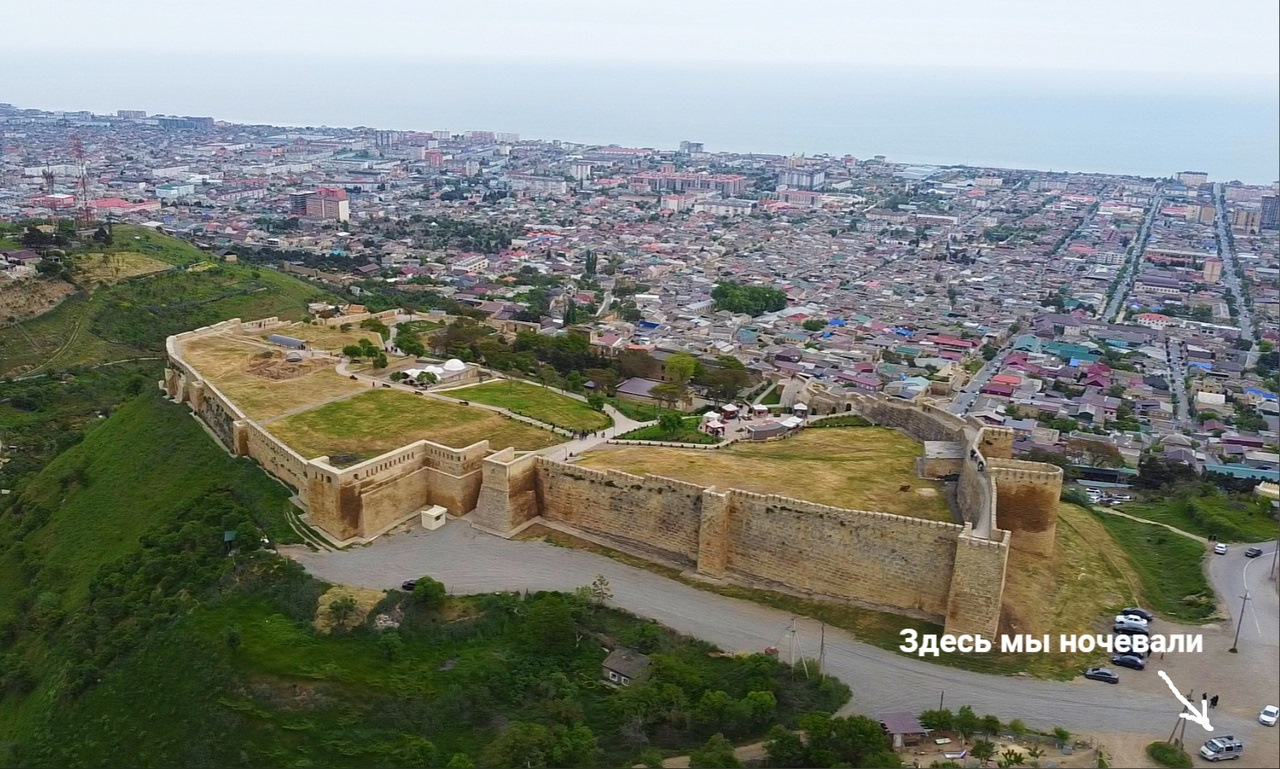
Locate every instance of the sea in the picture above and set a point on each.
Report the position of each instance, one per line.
(1046, 120)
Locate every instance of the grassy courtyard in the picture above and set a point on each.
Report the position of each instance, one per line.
(537, 402)
(861, 468)
(226, 360)
(378, 421)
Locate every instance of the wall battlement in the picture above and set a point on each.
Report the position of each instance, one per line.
(944, 572)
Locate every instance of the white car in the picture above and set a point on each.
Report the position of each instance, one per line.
(1130, 619)
(1220, 549)
(1268, 715)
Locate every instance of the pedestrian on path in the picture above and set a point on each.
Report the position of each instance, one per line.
(1213, 701)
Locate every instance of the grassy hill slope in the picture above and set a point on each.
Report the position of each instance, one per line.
(132, 638)
(131, 318)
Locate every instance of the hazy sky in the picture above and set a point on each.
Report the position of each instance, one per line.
(1166, 39)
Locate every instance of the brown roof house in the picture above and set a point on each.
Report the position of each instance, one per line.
(624, 666)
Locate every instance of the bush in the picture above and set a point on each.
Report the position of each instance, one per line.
(429, 593)
(1165, 754)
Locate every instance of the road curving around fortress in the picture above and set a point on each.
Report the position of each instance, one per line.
(469, 561)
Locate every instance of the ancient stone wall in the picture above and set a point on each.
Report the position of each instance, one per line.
(874, 559)
(977, 583)
(1027, 495)
(646, 514)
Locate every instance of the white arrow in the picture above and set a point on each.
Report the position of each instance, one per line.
(1198, 716)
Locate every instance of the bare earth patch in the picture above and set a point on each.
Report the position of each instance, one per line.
(365, 600)
(229, 363)
(861, 468)
(23, 299)
(114, 267)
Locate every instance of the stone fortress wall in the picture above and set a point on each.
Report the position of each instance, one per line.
(950, 573)
(354, 503)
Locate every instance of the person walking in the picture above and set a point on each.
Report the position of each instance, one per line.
(1213, 701)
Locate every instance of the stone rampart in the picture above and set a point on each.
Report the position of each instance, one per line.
(646, 514)
(943, 572)
(1027, 496)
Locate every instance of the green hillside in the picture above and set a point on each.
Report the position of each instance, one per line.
(131, 318)
(130, 637)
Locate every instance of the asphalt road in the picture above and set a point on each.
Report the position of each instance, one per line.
(969, 393)
(1130, 269)
(1228, 256)
(469, 562)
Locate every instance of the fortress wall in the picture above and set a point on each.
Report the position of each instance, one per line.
(509, 493)
(1027, 495)
(654, 514)
(923, 422)
(996, 442)
(275, 457)
(889, 561)
(977, 584)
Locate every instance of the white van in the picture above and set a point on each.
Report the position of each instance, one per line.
(1222, 749)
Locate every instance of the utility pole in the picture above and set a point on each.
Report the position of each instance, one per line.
(792, 645)
(1244, 601)
(822, 647)
(1180, 723)
(941, 695)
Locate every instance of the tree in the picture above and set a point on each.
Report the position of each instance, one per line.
(670, 424)
(752, 300)
(600, 590)
(1061, 735)
(650, 759)
(390, 645)
(670, 394)
(761, 707)
(967, 721)
(521, 744)
(429, 593)
(549, 626)
(784, 748)
(341, 609)
(1034, 754)
(459, 761)
(681, 367)
(813, 324)
(983, 750)
(1010, 758)
(717, 753)
(573, 746)
(638, 363)
(717, 712)
(938, 720)
(990, 725)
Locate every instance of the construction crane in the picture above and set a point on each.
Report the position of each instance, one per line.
(85, 215)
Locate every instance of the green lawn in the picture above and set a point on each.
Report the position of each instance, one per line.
(1234, 518)
(380, 420)
(1169, 565)
(537, 402)
(689, 433)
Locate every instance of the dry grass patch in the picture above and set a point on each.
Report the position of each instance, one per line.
(355, 603)
(324, 337)
(229, 361)
(23, 299)
(114, 267)
(381, 420)
(862, 468)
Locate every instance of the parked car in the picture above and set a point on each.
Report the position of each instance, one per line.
(1102, 674)
(1129, 629)
(1129, 661)
(1220, 549)
(1143, 613)
(1253, 552)
(1222, 749)
(409, 584)
(1130, 618)
(1269, 715)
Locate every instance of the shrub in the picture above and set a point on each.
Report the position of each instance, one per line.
(1165, 754)
(429, 593)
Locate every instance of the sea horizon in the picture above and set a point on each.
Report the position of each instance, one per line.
(1089, 123)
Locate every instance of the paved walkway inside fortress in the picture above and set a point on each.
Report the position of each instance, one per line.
(470, 562)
